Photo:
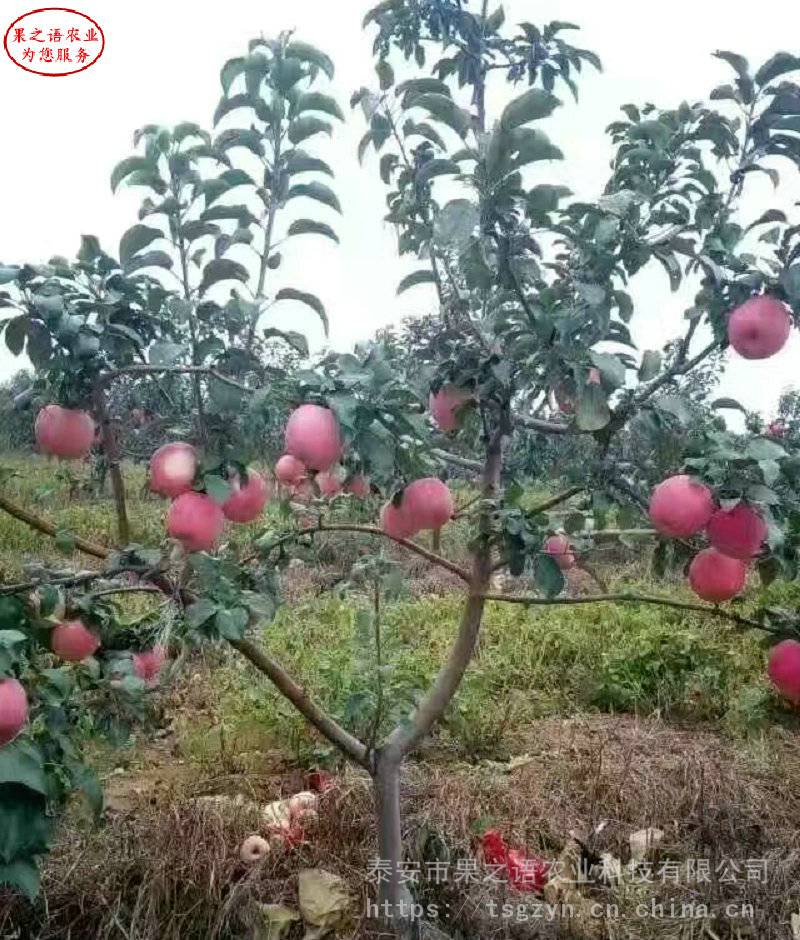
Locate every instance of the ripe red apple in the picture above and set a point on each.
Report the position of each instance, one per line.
(446, 404)
(739, 532)
(73, 642)
(427, 504)
(13, 709)
(759, 328)
(64, 432)
(247, 502)
(358, 486)
(329, 484)
(559, 548)
(148, 664)
(290, 470)
(196, 520)
(784, 669)
(313, 436)
(172, 469)
(716, 577)
(680, 506)
(395, 523)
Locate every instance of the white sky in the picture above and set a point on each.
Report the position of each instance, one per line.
(161, 65)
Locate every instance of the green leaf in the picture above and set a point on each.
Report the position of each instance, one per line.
(385, 74)
(761, 448)
(779, 64)
(222, 269)
(232, 623)
(135, 239)
(150, 259)
(790, 279)
(8, 273)
(22, 875)
(592, 413)
(217, 488)
(435, 168)
(676, 405)
(307, 126)
(533, 105)
(291, 293)
(308, 53)
(310, 227)
(300, 162)
(165, 353)
(201, 611)
(651, 365)
(445, 110)
(545, 198)
(198, 229)
(424, 276)
(612, 369)
(249, 139)
(738, 62)
(422, 86)
(318, 191)
(232, 69)
(16, 331)
(456, 222)
(128, 166)
(547, 576)
(295, 340)
(240, 214)
(227, 105)
(21, 763)
(375, 14)
(530, 146)
(316, 101)
(721, 403)
(24, 825)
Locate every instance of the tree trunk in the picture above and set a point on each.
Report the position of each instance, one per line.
(394, 899)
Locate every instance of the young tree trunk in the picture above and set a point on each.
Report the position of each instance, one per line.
(110, 445)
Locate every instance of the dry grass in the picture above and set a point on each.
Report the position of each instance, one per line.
(168, 868)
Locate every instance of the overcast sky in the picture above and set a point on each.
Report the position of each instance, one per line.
(161, 65)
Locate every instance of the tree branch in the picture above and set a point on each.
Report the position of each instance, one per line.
(625, 598)
(557, 499)
(176, 370)
(405, 543)
(455, 460)
(110, 444)
(312, 712)
(47, 528)
(545, 427)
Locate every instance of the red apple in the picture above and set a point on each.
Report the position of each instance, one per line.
(73, 642)
(739, 532)
(759, 328)
(13, 709)
(395, 523)
(196, 520)
(172, 469)
(313, 436)
(427, 504)
(446, 404)
(148, 664)
(559, 548)
(680, 506)
(290, 470)
(64, 432)
(247, 502)
(715, 577)
(776, 429)
(328, 483)
(784, 669)
(358, 486)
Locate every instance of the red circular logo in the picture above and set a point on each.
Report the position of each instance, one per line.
(54, 41)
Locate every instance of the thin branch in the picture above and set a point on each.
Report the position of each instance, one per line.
(77, 580)
(312, 712)
(110, 444)
(405, 543)
(556, 500)
(545, 427)
(176, 370)
(463, 462)
(625, 598)
(47, 528)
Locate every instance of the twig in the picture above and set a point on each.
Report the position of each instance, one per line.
(47, 528)
(455, 460)
(623, 598)
(176, 370)
(405, 543)
(557, 499)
